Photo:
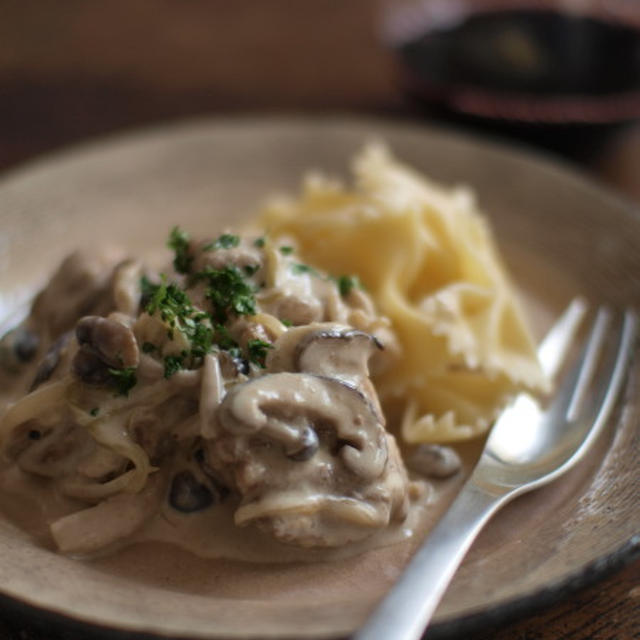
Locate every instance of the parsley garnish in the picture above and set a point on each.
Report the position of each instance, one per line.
(225, 241)
(259, 242)
(174, 307)
(123, 380)
(228, 292)
(173, 364)
(95, 411)
(286, 251)
(201, 340)
(147, 289)
(299, 268)
(347, 283)
(258, 351)
(179, 242)
(286, 323)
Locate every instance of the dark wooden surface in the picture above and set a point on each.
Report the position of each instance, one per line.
(76, 69)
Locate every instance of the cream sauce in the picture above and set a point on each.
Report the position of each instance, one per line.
(33, 504)
(212, 534)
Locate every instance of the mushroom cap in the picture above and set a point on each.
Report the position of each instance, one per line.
(282, 407)
(112, 341)
(328, 349)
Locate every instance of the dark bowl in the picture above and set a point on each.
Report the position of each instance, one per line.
(534, 62)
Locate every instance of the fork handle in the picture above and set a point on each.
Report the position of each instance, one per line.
(406, 610)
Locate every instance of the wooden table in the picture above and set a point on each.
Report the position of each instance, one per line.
(81, 68)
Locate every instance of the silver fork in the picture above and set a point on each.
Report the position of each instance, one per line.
(527, 448)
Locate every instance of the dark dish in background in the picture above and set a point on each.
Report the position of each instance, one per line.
(558, 75)
(71, 71)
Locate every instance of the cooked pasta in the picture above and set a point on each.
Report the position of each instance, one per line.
(426, 256)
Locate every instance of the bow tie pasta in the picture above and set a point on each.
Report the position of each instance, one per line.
(427, 257)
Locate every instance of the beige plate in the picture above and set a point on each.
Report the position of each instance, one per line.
(560, 235)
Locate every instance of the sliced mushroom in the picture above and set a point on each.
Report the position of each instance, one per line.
(434, 461)
(285, 406)
(324, 348)
(324, 506)
(187, 494)
(328, 349)
(105, 344)
(336, 352)
(112, 341)
(306, 445)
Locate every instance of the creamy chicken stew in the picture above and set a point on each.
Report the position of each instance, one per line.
(242, 375)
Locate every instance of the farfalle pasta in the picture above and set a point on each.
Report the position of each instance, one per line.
(427, 257)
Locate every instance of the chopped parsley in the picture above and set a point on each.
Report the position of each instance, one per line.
(286, 323)
(346, 283)
(173, 305)
(147, 289)
(173, 364)
(228, 292)
(258, 351)
(179, 242)
(298, 268)
(95, 411)
(123, 380)
(177, 311)
(201, 340)
(225, 241)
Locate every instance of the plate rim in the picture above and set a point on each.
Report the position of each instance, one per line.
(544, 159)
(448, 628)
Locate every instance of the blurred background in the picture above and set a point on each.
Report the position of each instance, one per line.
(568, 81)
(559, 76)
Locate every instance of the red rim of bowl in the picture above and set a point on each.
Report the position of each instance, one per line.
(526, 108)
(562, 109)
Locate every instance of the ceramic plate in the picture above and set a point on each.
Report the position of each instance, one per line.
(560, 235)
